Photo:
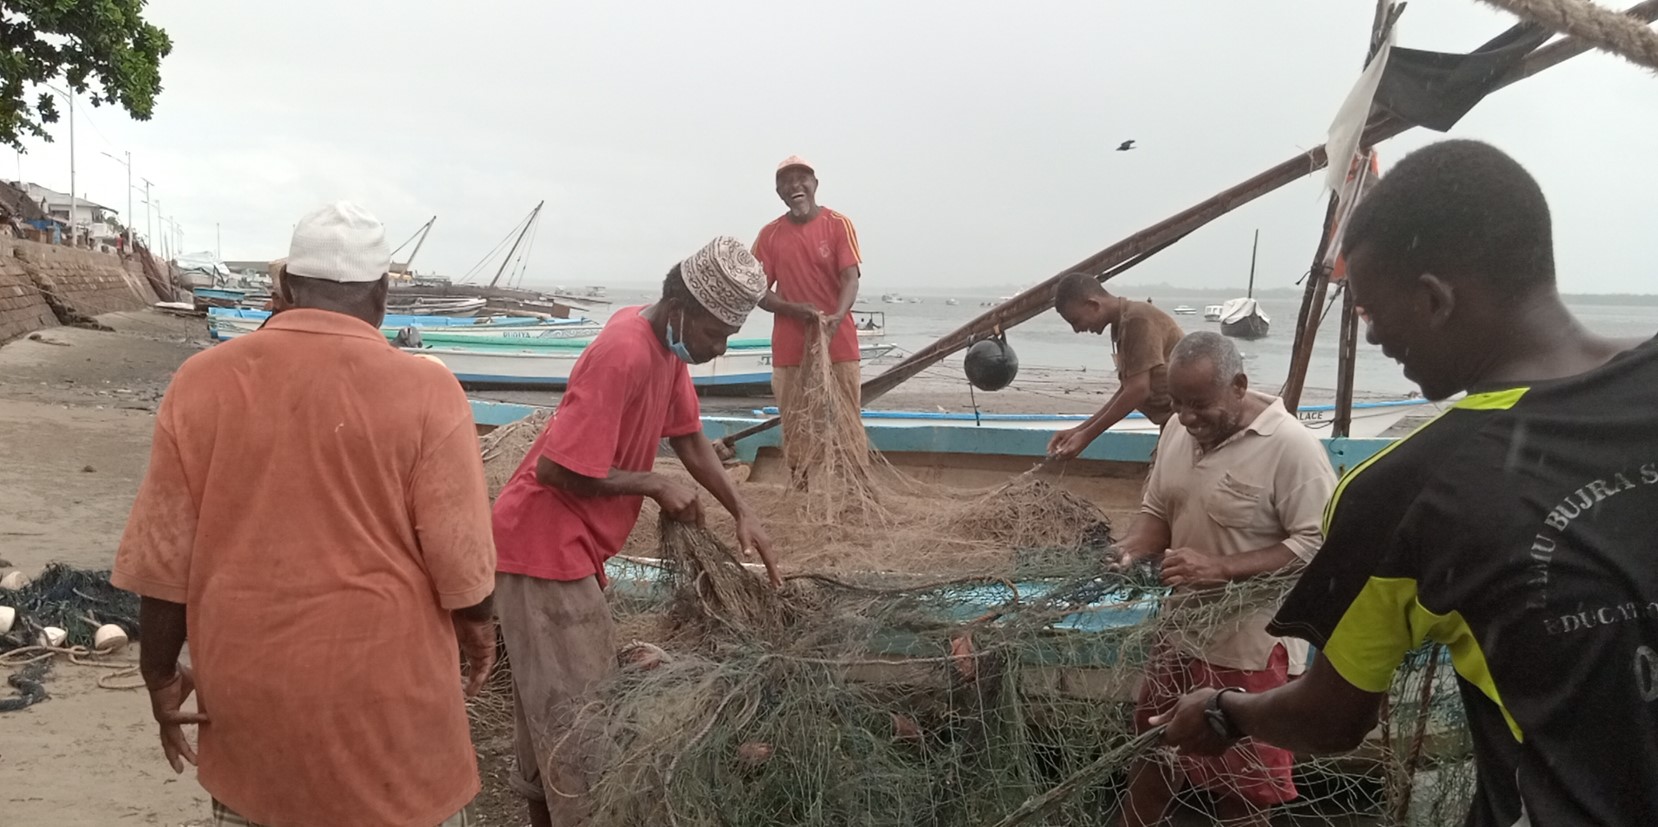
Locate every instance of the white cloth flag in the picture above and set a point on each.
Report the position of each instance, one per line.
(1342, 141)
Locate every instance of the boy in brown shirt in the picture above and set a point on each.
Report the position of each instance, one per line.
(1142, 337)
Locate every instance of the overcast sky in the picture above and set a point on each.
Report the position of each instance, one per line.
(971, 142)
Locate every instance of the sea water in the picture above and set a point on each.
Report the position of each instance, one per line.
(1046, 344)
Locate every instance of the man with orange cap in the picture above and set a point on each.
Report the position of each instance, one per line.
(811, 258)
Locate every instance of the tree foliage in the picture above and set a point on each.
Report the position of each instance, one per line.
(103, 49)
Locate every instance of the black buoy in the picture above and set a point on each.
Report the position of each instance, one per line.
(991, 364)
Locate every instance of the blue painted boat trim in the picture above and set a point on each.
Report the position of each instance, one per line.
(959, 416)
(732, 380)
(398, 320)
(1116, 446)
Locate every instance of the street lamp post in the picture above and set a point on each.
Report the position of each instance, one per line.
(149, 214)
(72, 199)
(128, 164)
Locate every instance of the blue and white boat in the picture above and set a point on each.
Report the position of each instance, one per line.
(744, 368)
(229, 322)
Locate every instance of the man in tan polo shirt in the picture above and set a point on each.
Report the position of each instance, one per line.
(1237, 492)
(1141, 338)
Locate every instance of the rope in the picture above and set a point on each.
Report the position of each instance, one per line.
(1603, 28)
(25, 655)
(1078, 781)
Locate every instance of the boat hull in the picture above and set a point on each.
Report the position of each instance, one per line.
(1248, 327)
(738, 371)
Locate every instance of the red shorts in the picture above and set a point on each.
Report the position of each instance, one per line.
(1250, 770)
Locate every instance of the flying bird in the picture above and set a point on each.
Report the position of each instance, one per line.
(1125, 146)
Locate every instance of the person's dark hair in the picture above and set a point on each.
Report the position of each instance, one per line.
(1074, 287)
(345, 294)
(1457, 209)
(1213, 348)
(673, 287)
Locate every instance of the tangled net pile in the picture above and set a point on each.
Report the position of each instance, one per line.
(938, 656)
(998, 694)
(75, 600)
(976, 701)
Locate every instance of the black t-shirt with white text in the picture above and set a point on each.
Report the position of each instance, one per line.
(1520, 529)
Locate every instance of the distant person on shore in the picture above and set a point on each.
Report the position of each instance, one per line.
(1237, 492)
(1516, 529)
(1142, 336)
(812, 269)
(315, 515)
(574, 499)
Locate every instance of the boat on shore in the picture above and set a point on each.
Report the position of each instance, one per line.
(433, 306)
(1370, 419)
(229, 322)
(745, 367)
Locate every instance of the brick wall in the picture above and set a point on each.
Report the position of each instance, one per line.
(22, 309)
(42, 284)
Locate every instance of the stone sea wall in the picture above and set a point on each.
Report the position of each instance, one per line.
(42, 285)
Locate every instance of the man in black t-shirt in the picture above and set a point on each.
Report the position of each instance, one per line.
(1518, 528)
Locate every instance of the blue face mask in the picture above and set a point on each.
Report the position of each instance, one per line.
(677, 345)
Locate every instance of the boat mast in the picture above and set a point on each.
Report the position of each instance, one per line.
(408, 266)
(1253, 248)
(528, 223)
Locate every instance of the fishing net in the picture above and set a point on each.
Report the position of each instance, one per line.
(937, 656)
(75, 600)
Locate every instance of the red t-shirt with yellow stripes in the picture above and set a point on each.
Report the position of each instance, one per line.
(803, 264)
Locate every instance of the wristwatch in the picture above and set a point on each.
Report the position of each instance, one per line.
(1219, 721)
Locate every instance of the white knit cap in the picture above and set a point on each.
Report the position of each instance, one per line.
(340, 242)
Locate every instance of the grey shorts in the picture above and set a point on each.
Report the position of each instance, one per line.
(561, 643)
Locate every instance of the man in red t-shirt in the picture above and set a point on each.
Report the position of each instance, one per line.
(574, 499)
(811, 258)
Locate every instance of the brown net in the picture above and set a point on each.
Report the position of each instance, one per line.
(937, 656)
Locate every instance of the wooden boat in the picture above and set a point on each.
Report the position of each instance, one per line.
(206, 297)
(1243, 318)
(228, 322)
(1370, 419)
(428, 306)
(871, 324)
(744, 368)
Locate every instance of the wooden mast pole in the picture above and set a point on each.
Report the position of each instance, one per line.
(528, 222)
(1318, 276)
(1347, 353)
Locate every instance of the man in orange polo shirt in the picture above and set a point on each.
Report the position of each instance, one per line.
(315, 517)
(812, 267)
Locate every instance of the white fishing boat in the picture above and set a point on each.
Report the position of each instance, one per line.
(1211, 312)
(430, 306)
(740, 370)
(871, 324)
(1185, 310)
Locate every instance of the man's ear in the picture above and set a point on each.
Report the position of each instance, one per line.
(1438, 299)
